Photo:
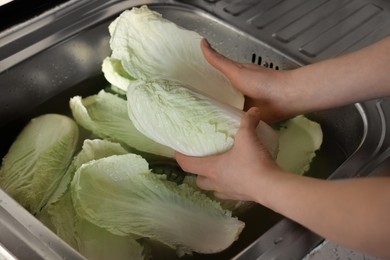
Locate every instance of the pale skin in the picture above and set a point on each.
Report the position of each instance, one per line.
(353, 212)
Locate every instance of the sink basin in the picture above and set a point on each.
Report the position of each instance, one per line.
(46, 62)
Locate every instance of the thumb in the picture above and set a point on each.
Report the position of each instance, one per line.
(217, 60)
(251, 119)
(248, 133)
(256, 129)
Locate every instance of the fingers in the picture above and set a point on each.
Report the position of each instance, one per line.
(221, 195)
(208, 185)
(204, 183)
(220, 62)
(195, 165)
(251, 119)
(202, 165)
(245, 77)
(198, 166)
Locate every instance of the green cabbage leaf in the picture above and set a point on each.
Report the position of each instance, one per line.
(97, 243)
(120, 193)
(91, 150)
(106, 116)
(88, 239)
(91, 241)
(187, 121)
(175, 97)
(147, 46)
(37, 160)
(116, 75)
(299, 139)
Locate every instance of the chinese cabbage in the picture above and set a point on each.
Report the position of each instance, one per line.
(106, 116)
(149, 46)
(98, 244)
(116, 75)
(120, 193)
(91, 150)
(38, 159)
(90, 240)
(299, 139)
(187, 121)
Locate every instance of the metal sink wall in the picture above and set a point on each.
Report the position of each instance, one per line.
(45, 62)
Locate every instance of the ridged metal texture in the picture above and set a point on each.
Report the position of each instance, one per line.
(307, 31)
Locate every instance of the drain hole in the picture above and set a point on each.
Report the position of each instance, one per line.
(253, 57)
(259, 61)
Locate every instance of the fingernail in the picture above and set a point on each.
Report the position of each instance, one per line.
(254, 110)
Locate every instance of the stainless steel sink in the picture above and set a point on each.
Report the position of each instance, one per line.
(50, 59)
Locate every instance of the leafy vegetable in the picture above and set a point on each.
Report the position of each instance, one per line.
(237, 207)
(187, 121)
(106, 116)
(107, 198)
(120, 194)
(91, 150)
(90, 240)
(61, 218)
(192, 111)
(116, 75)
(37, 160)
(299, 139)
(151, 47)
(97, 243)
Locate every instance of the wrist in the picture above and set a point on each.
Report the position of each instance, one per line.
(278, 96)
(293, 95)
(268, 185)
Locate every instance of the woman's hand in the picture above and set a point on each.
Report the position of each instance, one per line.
(239, 173)
(336, 210)
(327, 84)
(264, 88)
